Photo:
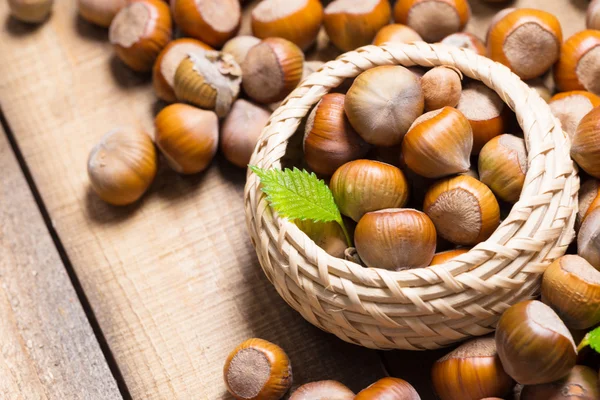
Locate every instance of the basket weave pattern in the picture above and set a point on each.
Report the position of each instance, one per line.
(432, 307)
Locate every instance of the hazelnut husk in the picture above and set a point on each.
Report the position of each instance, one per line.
(382, 104)
(438, 144)
(525, 40)
(240, 131)
(395, 239)
(485, 111)
(211, 21)
(463, 210)
(122, 166)
(163, 72)
(361, 186)
(470, 372)
(329, 139)
(503, 166)
(323, 390)
(433, 19)
(140, 31)
(272, 69)
(571, 286)
(187, 137)
(571, 107)
(442, 87)
(585, 143)
(351, 24)
(533, 343)
(579, 63)
(259, 370)
(298, 21)
(208, 79)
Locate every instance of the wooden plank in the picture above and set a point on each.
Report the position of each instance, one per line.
(47, 347)
(173, 281)
(416, 367)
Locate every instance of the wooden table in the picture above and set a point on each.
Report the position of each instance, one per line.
(142, 302)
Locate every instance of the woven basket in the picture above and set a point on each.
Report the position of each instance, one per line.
(431, 307)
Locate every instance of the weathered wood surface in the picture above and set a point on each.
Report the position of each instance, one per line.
(415, 367)
(47, 347)
(173, 280)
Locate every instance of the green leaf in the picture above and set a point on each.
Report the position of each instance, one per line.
(591, 339)
(297, 194)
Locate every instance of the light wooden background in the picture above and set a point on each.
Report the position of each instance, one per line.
(173, 282)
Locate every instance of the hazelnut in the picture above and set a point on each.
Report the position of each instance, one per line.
(239, 47)
(329, 139)
(471, 372)
(438, 144)
(396, 33)
(298, 21)
(571, 286)
(323, 390)
(240, 131)
(163, 72)
(389, 389)
(208, 79)
(592, 20)
(395, 239)
(588, 238)
(589, 199)
(525, 40)
(187, 137)
(465, 40)
(211, 21)
(361, 186)
(534, 345)
(433, 19)
(441, 87)
(140, 31)
(485, 111)
(447, 256)
(503, 166)
(580, 384)
(31, 11)
(383, 102)
(351, 24)
(272, 69)
(585, 143)
(122, 166)
(327, 235)
(571, 107)
(100, 12)
(579, 63)
(257, 370)
(463, 210)
(542, 88)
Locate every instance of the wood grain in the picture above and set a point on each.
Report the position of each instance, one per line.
(173, 280)
(47, 347)
(416, 367)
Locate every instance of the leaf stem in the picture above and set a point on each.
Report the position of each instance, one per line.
(584, 342)
(348, 240)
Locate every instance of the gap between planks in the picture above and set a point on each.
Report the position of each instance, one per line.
(89, 312)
